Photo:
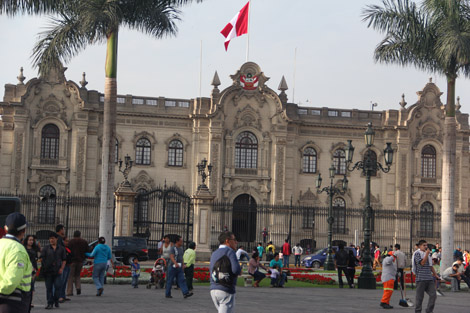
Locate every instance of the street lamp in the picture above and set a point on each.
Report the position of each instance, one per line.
(201, 168)
(331, 191)
(368, 166)
(128, 165)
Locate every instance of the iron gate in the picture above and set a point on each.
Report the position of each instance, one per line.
(163, 211)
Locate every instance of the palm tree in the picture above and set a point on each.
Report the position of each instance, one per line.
(435, 37)
(79, 23)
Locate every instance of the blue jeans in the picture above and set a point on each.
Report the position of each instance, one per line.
(179, 275)
(64, 278)
(135, 281)
(53, 285)
(297, 260)
(99, 271)
(286, 260)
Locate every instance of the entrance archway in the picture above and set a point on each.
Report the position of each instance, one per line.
(244, 218)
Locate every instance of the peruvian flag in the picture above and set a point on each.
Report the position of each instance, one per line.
(237, 26)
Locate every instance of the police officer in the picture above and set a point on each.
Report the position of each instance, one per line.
(15, 267)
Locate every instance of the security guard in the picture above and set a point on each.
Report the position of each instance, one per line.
(15, 267)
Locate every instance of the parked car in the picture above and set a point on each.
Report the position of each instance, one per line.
(126, 249)
(317, 259)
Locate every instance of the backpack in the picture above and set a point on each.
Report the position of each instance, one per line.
(222, 272)
(342, 257)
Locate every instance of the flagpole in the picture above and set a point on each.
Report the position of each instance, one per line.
(200, 74)
(295, 69)
(248, 33)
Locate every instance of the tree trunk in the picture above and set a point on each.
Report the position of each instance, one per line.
(448, 177)
(108, 144)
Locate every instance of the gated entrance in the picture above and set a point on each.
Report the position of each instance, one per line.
(244, 219)
(163, 211)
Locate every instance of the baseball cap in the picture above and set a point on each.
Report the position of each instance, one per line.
(16, 220)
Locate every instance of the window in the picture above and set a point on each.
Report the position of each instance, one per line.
(302, 111)
(151, 102)
(308, 217)
(141, 207)
(170, 103)
(175, 153)
(372, 157)
(428, 162)
(137, 101)
(116, 151)
(120, 100)
(50, 143)
(332, 113)
(47, 195)
(339, 213)
(142, 152)
(339, 160)
(173, 212)
(310, 160)
(426, 219)
(246, 151)
(184, 104)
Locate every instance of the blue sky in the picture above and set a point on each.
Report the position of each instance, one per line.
(334, 67)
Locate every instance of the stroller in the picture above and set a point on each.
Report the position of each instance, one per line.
(157, 276)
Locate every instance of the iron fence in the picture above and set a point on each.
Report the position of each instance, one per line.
(308, 225)
(75, 213)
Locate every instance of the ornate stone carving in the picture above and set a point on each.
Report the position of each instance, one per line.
(403, 187)
(280, 173)
(214, 178)
(143, 180)
(247, 117)
(80, 162)
(18, 158)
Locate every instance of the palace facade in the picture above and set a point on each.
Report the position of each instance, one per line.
(261, 146)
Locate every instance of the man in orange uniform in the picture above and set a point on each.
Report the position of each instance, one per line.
(389, 271)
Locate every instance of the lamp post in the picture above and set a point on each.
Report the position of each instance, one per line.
(201, 168)
(128, 165)
(368, 166)
(331, 191)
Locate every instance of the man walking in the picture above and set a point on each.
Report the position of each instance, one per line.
(79, 247)
(223, 284)
(341, 260)
(15, 267)
(175, 269)
(424, 277)
(53, 262)
(189, 259)
(286, 252)
(401, 263)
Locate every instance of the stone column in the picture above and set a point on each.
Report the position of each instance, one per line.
(124, 217)
(203, 202)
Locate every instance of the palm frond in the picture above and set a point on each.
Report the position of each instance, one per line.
(154, 17)
(13, 7)
(59, 43)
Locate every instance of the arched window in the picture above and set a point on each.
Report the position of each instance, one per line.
(372, 157)
(246, 151)
(47, 195)
(175, 153)
(309, 160)
(339, 213)
(339, 160)
(141, 207)
(116, 151)
(426, 219)
(142, 152)
(50, 144)
(428, 162)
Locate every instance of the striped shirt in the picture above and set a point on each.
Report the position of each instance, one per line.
(423, 272)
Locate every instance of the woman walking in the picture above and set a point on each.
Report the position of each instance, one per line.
(33, 251)
(102, 254)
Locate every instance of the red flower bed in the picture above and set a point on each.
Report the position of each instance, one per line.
(201, 276)
(314, 279)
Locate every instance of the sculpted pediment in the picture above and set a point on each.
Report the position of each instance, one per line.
(247, 116)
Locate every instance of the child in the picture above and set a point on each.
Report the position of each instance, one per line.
(274, 276)
(135, 269)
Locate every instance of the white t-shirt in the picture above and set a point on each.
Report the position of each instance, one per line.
(274, 273)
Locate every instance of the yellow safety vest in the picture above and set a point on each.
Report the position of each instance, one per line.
(15, 269)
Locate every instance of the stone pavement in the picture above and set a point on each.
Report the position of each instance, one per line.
(123, 298)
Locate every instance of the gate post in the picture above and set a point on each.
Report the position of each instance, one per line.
(125, 200)
(203, 202)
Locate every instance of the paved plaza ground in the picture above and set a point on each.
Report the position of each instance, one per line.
(123, 298)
